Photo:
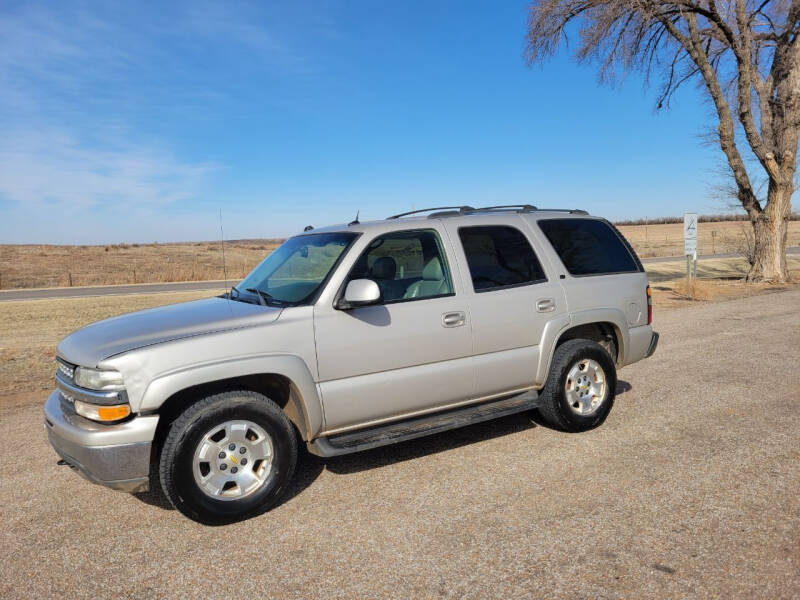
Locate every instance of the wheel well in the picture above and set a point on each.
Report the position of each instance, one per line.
(277, 387)
(604, 334)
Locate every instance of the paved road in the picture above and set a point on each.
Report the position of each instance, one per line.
(658, 259)
(188, 286)
(110, 290)
(689, 490)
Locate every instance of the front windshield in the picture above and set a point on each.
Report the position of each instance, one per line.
(295, 270)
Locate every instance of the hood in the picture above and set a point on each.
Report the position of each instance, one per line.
(98, 341)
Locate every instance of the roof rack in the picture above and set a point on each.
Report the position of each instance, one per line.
(460, 209)
(452, 211)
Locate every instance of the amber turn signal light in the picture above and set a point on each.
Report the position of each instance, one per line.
(104, 414)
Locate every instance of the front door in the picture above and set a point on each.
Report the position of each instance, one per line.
(410, 354)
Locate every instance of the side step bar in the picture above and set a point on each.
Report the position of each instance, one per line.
(400, 431)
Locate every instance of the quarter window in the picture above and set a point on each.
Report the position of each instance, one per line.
(406, 265)
(589, 246)
(499, 257)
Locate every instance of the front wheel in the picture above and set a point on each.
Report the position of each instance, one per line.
(228, 457)
(580, 387)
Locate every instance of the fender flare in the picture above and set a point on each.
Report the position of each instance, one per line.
(304, 407)
(557, 326)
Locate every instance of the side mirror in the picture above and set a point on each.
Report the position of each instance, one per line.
(361, 292)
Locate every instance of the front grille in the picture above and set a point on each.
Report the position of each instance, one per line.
(66, 369)
(66, 372)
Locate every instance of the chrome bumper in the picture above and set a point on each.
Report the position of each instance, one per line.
(117, 456)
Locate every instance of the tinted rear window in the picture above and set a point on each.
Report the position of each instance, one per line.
(588, 246)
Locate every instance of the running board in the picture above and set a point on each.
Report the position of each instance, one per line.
(382, 435)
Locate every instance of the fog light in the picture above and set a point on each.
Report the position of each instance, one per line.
(104, 414)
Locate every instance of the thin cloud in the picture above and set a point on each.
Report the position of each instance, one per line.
(62, 72)
(40, 169)
(91, 92)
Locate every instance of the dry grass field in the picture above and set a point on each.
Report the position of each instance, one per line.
(717, 280)
(34, 266)
(30, 329)
(712, 238)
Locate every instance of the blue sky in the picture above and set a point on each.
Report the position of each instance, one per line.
(140, 121)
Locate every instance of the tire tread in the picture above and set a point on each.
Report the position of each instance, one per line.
(551, 409)
(182, 426)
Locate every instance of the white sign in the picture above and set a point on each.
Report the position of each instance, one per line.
(690, 234)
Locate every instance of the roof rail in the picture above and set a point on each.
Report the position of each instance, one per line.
(573, 211)
(514, 207)
(461, 209)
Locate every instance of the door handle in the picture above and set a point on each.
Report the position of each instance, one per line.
(545, 305)
(454, 319)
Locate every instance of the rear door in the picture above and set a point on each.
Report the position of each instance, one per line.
(511, 299)
(410, 354)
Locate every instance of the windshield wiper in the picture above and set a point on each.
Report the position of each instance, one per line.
(263, 297)
(238, 296)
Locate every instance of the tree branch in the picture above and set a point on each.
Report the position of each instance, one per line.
(694, 47)
(745, 80)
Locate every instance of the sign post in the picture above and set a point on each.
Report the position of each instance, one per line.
(690, 249)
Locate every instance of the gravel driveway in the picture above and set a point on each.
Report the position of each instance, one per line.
(690, 489)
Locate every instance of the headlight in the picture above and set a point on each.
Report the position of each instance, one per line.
(105, 414)
(95, 379)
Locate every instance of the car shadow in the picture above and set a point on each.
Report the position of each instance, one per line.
(429, 445)
(623, 386)
(306, 472)
(155, 495)
(310, 467)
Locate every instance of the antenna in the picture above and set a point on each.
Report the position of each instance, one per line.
(355, 221)
(222, 243)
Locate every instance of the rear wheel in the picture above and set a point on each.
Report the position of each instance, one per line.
(228, 457)
(580, 387)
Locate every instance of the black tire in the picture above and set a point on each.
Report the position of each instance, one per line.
(554, 408)
(177, 453)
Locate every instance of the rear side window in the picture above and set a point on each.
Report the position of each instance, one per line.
(498, 257)
(588, 246)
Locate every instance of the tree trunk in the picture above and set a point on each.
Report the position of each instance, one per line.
(770, 229)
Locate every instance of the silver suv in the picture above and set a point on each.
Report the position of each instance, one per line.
(348, 338)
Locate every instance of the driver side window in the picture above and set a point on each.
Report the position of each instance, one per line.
(406, 265)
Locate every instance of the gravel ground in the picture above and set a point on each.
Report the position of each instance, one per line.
(690, 489)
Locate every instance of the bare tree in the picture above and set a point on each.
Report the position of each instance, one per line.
(745, 53)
